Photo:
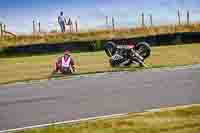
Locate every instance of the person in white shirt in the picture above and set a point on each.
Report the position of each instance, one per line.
(62, 21)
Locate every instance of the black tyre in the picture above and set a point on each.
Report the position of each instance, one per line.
(113, 63)
(110, 48)
(143, 49)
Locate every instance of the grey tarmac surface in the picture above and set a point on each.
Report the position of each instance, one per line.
(29, 104)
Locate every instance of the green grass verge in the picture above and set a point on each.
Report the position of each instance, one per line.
(176, 120)
(40, 67)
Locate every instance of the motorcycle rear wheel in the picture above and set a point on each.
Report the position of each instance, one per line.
(143, 49)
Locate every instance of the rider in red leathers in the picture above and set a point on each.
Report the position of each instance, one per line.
(65, 64)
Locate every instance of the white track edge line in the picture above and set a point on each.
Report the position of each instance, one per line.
(95, 118)
(64, 122)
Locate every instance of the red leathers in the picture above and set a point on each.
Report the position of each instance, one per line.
(65, 64)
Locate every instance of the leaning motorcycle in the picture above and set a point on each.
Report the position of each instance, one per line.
(127, 53)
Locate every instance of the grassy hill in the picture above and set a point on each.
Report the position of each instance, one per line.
(96, 35)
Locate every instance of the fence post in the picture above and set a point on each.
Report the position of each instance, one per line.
(4, 27)
(188, 17)
(4, 30)
(72, 26)
(142, 19)
(71, 29)
(39, 28)
(33, 27)
(151, 20)
(106, 21)
(70, 23)
(1, 29)
(113, 23)
(179, 17)
(76, 25)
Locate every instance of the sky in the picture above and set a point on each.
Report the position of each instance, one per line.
(91, 14)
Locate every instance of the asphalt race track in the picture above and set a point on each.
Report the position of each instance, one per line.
(29, 104)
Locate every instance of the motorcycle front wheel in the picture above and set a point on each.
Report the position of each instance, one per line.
(110, 48)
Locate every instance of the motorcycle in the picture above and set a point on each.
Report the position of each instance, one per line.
(127, 53)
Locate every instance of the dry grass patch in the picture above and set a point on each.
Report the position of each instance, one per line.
(97, 35)
(40, 67)
(181, 120)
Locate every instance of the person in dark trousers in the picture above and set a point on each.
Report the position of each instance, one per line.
(62, 22)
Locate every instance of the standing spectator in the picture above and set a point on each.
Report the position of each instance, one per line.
(62, 21)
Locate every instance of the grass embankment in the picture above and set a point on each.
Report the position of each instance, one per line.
(96, 35)
(40, 67)
(180, 120)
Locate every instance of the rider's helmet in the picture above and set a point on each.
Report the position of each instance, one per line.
(67, 52)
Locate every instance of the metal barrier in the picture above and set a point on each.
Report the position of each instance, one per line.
(4, 33)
